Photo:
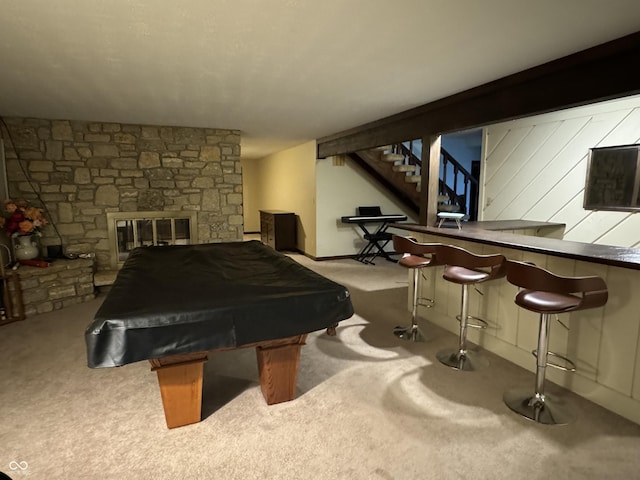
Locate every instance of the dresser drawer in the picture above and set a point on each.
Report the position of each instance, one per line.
(278, 229)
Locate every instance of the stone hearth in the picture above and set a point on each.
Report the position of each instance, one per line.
(62, 283)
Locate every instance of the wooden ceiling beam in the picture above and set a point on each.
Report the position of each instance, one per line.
(599, 73)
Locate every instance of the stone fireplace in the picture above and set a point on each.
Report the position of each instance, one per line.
(86, 172)
(83, 171)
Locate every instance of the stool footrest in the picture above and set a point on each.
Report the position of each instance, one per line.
(569, 366)
(426, 302)
(475, 322)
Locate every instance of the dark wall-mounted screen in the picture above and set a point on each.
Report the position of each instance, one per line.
(613, 178)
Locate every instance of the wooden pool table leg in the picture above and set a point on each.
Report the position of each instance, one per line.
(180, 380)
(278, 363)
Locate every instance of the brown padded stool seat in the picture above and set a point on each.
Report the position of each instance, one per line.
(466, 268)
(415, 256)
(549, 302)
(463, 275)
(414, 261)
(546, 293)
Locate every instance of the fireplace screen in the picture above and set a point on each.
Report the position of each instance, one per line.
(128, 230)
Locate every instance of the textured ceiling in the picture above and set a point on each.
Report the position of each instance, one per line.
(281, 71)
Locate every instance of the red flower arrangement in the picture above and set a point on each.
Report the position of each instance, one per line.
(20, 218)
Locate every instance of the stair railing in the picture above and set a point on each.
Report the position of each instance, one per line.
(450, 172)
(451, 166)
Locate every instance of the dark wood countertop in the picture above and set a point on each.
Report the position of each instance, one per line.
(496, 225)
(587, 252)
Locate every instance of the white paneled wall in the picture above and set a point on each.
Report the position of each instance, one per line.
(535, 169)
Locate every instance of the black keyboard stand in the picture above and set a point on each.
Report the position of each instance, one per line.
(375, 248)
(378, 239)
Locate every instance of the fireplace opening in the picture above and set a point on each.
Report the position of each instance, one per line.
(129, 230)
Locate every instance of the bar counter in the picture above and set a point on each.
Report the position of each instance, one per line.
(603, 342)
(500, 233)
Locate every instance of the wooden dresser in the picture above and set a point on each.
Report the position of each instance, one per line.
(278, 229)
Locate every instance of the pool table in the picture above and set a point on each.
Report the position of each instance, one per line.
(171, 305)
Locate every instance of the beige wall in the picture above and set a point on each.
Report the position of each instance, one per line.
(250, 194)
(284, 181)
(320, 192)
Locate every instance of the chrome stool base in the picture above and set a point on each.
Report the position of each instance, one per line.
(467, 360)
(544, 409)
(411, 333)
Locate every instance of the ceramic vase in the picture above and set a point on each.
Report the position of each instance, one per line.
(26, 248)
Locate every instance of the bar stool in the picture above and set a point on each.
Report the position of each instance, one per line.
(415, 256)
(546, 293)
(466, 268)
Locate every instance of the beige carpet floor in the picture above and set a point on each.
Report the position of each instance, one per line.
(368, 406)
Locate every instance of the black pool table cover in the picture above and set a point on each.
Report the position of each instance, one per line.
(169, 300)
